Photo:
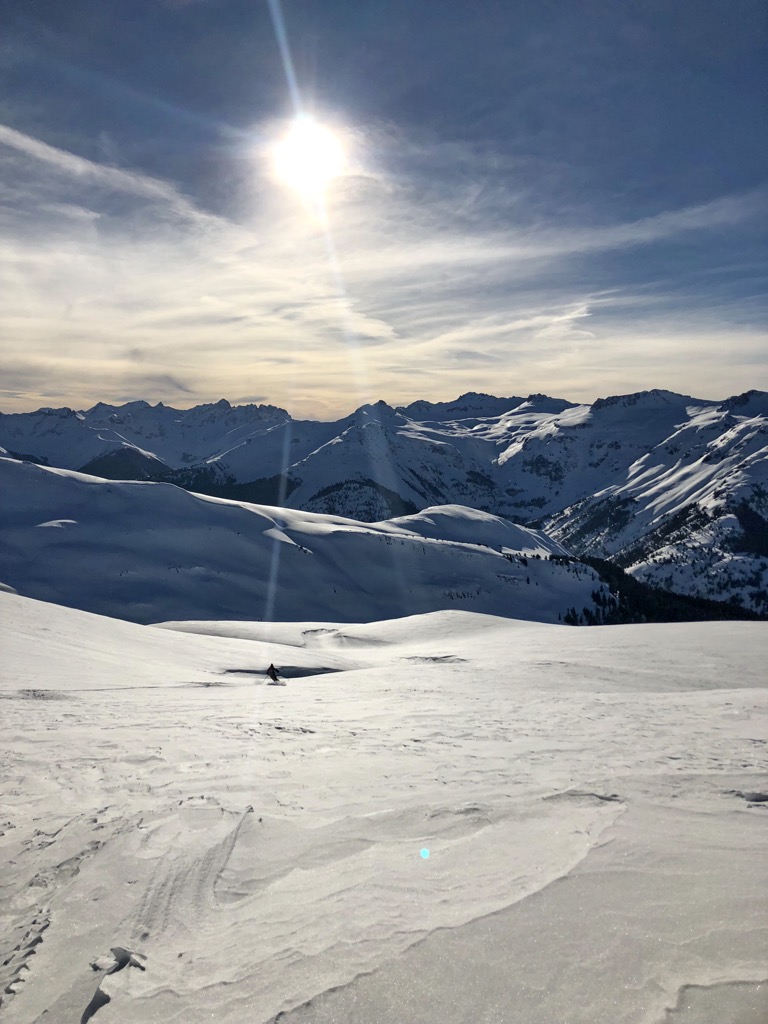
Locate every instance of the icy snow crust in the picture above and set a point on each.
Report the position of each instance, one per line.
(183, 842)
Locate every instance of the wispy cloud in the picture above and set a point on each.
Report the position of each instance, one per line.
(115, 281)
(90, 172)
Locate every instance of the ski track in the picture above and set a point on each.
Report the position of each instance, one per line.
(234, 835)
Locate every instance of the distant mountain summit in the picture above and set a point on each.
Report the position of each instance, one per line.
(471, 404)
(672, 488)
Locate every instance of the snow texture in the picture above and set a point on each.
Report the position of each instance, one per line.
(182, 842)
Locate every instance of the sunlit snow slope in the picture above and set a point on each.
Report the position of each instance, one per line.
(150, 551)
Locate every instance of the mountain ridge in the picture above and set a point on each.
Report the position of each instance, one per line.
(671, 487)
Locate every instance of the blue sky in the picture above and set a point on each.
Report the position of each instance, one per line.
(560, 196)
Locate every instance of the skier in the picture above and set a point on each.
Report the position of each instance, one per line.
(272, 673)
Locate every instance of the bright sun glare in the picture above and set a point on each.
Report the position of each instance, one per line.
(309, 157)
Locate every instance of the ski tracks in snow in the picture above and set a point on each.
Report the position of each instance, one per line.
(181, 890)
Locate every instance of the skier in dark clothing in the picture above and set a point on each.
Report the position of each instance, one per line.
(272, 673)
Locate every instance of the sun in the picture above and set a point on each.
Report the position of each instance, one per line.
(309, 157)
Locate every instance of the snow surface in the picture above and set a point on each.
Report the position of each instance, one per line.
(151, 551)
(190, 844)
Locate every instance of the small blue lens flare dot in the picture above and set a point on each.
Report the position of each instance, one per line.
(425, 853)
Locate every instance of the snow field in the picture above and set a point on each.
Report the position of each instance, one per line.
(591, 808)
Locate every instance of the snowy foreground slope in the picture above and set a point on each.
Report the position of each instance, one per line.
(151, 551)
(182, 842)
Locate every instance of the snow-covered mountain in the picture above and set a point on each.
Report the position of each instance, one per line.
(153, 551)
(673, 488)
(691, 513)
(101, 437)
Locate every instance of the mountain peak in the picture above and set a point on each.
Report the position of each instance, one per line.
(654, 397)
(471, 405)
(63, 413)
(222, 404)
(103, 409)
(379, 411)
(754, 399)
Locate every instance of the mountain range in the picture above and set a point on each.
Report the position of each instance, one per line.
(671, 488)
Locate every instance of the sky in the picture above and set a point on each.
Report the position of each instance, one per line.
(556, 196)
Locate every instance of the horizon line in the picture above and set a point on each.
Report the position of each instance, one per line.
(242, 404)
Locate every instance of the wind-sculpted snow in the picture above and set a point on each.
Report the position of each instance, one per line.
(151, 551)
(182, 841)
(643, 479)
